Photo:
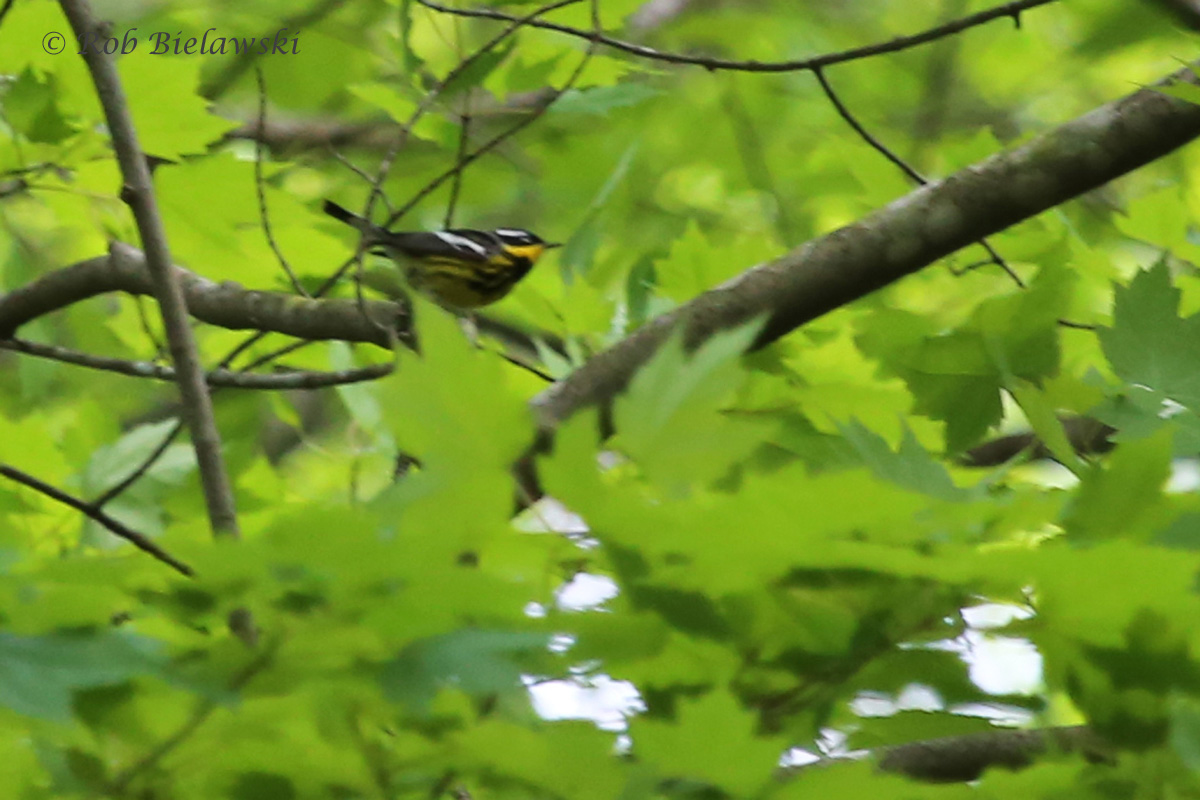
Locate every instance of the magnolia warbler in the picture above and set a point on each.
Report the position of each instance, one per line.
(459, 268)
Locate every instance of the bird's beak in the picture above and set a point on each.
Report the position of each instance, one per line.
(552, 245)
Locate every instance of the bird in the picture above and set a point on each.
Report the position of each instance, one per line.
(459, 269)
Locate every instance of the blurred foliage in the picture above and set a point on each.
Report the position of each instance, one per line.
(789, 534)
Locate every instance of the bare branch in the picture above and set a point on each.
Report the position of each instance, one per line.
(1085, 435)
(260, 191)
(469, 158)
(1008, 10)
(279, 381)
(227, 305)
(385, 166)
(317, 132)
(138, 192)
(115, 526)
(964, 758)
(233, 307)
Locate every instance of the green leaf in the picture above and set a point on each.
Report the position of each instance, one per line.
(912, 726)
(478, 70)
(1046, 425)
(1185, 729)
(262, 786)
(30, 107)
(957, 376)
(579, 251)
(1184, 91)
(912, 467)
(1149, 344)
(478, 662)
(848, 778)
(411, 62)
(1123, 498)
(696, 264)
(171, 118)
(39, 673)
(434, 414)
(670, 419)
(738, 761)
(602, 100)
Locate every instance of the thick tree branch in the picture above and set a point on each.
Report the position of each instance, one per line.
(885, 151)
(227, 305)
(901, 238)
(1086, 436)
(138, 192)
(964, 758)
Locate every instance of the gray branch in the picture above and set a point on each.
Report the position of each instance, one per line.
(138, 192)
(227, 305)
(911, 233)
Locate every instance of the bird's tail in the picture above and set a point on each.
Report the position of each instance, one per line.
(372, 231)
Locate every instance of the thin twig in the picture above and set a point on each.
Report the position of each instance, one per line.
(456, 185)
(385, 166)
(279, 381)
(267, 358)
(527, 367)
(490, 144)
(149, 461)
(115, 526)
(426, 103)
(1079, 326)
(358, 171)
(160, 349)
(260, 190)
(1009, 10)
(845, 113)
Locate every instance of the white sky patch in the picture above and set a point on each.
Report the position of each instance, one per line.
(548, 515)
(1185, 477)
(586, 591)
(600, 698)
(914, 697)
(1003, 664)
(994, 615)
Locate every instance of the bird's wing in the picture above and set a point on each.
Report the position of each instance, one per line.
(456, 245)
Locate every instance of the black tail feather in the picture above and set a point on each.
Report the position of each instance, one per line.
(341, 214)
(370, 231)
